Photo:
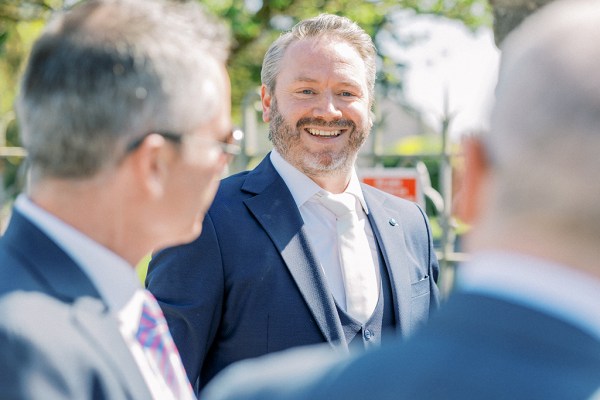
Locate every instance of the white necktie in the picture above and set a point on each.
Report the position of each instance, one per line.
(358, 270)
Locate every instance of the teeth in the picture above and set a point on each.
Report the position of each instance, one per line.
(318, 132)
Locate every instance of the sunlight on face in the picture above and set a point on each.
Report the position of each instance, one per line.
(319, 114)
(201, 163)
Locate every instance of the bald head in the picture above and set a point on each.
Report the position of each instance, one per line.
(545, 136)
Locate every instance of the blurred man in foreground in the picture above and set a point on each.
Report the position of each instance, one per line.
(524, 322)
(124, 111)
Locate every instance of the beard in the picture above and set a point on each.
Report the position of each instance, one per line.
(287, 141)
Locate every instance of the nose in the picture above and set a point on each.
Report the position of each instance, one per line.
(326, 107)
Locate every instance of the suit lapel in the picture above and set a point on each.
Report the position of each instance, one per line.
(50, 264)
(274, 207)
(391, 243)
(100, 327)
(47, 261)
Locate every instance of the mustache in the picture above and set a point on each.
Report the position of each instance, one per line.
(340, 123)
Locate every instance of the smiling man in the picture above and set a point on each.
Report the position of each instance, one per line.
(278, 265)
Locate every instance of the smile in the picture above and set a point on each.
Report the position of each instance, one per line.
(321, 133)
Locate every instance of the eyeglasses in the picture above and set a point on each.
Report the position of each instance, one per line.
(230, 147)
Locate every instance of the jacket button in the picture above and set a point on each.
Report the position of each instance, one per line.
(392, 222)
(368, 334)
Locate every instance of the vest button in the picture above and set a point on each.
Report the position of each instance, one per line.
(368, 334)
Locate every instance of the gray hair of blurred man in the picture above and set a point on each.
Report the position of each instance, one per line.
(322, 26)
(544, 142)
(109, 71)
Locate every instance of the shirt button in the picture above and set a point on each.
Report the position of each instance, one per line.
(368, 334)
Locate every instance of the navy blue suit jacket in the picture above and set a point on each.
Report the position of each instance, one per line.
(57, 337)
(251, 284)
(475, 347)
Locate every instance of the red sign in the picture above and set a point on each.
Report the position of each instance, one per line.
(401, 182)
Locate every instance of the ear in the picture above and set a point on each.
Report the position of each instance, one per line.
(265, 98)
(151, 161)
(471, 197)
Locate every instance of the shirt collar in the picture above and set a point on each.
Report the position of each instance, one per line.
(355, 189)
(549, 287)
(114, 277)
(303, 188)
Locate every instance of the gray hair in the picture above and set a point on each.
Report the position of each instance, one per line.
(324, 25)
(109, 71)
(545, 136)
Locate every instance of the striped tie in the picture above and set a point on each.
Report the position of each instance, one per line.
(154, 336)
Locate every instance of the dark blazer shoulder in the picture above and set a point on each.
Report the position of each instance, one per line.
(33, 261)
(476, 347)
(249, 182)
(236, 189)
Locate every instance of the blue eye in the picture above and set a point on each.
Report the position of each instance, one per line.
(347, 94)
(307, 91)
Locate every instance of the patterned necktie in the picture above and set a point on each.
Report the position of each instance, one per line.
(358, 269)
(154, 336)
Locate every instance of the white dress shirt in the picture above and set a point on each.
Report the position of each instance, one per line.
(320, 223)
(114, 278)
(554, 289)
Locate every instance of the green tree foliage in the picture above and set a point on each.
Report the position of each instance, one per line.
(20, 23)
(254, 24)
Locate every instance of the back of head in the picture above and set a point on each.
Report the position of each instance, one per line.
(109, 71)
(322, 26)
(545, 137)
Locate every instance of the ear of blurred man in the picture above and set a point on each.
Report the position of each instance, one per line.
(475, 181)
(150, 164)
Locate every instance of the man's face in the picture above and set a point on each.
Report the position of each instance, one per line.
(319, 112)
(199, 168)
